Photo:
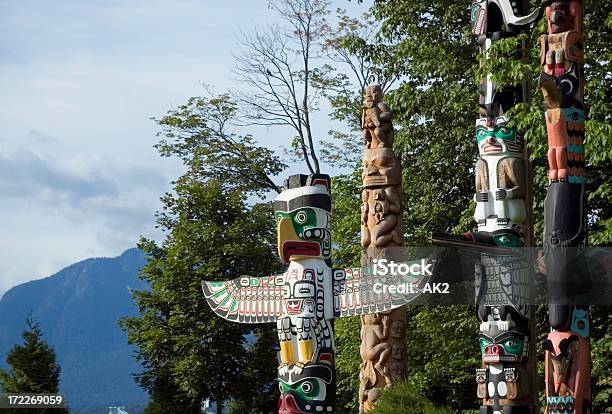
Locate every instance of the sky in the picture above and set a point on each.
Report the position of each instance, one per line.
(79, 82)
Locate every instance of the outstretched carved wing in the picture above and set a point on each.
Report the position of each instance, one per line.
(359, 291)
(246, 299)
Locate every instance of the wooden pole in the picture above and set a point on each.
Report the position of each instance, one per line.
(567, 347)
(383, 335)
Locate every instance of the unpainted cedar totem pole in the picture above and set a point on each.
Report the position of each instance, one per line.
(382, 334)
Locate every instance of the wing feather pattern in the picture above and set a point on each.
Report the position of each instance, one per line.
(246, 299)
(361, 291)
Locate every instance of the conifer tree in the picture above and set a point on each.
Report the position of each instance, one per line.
(33, 368)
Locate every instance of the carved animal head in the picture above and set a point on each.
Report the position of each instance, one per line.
(303, 218)
(560, 17)
(312, 390)
(381, 167)
(562, 356)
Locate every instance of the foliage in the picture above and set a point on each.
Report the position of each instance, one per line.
(442, 353)
(429, 46)
(601, 355)
(33, 368)
(401, 397)
(188, 354)
(200, 134)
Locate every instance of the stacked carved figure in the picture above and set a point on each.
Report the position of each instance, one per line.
(567, 360)
(383, 335)
(306, 298)
(506, 381)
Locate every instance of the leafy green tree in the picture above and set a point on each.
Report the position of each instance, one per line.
(429, 46)
(188, 354)
(33, 368)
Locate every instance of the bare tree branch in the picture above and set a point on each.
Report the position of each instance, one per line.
(276, 63)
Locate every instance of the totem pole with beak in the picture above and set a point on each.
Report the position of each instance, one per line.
(305, 299)
(567, 358)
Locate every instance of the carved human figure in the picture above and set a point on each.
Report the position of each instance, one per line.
(375, 351)
(397, 351)
(562, 59)
(501, 186)
(385, 207)
(398, 329)
(374, 330)
(376, 119)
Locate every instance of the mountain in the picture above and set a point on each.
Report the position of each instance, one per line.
(78, 309)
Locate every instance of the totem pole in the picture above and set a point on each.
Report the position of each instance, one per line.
(382, 334)
(306, 298)
(567, 358)
(507, 380)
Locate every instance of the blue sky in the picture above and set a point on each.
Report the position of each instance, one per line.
(79, 81)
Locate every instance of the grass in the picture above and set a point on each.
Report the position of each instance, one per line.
(402, 399)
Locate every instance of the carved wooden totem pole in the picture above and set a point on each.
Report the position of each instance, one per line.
(307, 297)
(507, 379)
(382, 334)
(567, 359)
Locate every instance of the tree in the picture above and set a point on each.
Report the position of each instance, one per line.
(361, 59)
(188, 354)
(435, 105)
(275, 64)
(32, 368)
(203, 135)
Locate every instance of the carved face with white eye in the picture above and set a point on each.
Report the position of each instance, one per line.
(312, 391)
(498, 139)
(303, 217)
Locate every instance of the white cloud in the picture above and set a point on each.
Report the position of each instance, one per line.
(60, 206)
(80, 81)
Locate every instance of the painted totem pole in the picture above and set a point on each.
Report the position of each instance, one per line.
(507, 379)
(306, 298)
(299, 301)
(567, 358)
(382, 334)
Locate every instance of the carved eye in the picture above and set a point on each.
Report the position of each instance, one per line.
(307, 387)
(301, 217)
